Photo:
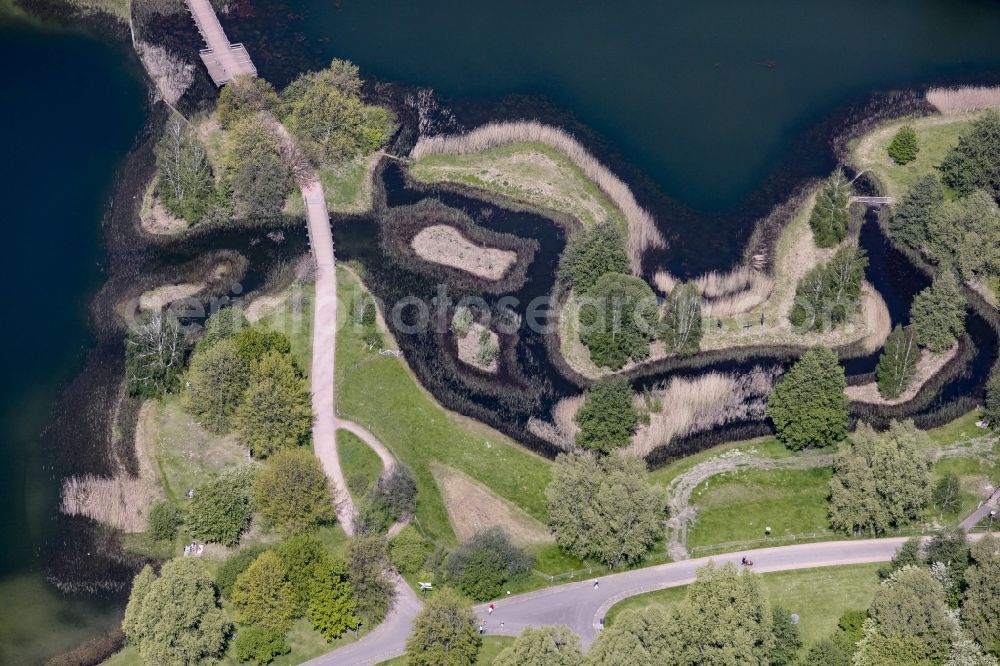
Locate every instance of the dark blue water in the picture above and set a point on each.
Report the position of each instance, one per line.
(70, 107)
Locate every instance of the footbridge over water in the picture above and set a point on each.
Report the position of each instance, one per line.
(872, 201)
(223, 59)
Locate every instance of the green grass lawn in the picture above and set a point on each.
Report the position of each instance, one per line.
(294, 318)
(361, 465)
(188, 455)
(738, 505)
(346, 187)
(379, 393)
(764, 446)
(936, 135)
(818, 596)
(492, 646)
(514, 172)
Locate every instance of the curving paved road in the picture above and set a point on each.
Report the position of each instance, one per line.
(582, 608)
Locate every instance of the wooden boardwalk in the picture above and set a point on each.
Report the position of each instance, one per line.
(223, 59)
(872, 201)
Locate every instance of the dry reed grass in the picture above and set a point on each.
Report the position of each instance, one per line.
(964, 99)
(702, 403)
(725, 294)
(642, 231)
(878, 320)
(561, 432)
(120, 502)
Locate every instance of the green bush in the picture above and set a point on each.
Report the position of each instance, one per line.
(234, 565)
(223, 324)
(591, 253)
(409, 550)
(254, 343)
(903, 148)
(608, 417)
(618, 319)
(257, 176)
(221, 509)
(830, 216)
(482, 565)
(263, 596)
(163, 520)
(244, 96)
(808, 406)
(259, 645)
(216, 381)
(304, 555)
(392, 498)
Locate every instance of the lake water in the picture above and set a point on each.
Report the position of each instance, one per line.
(706, 100)
(70, 107)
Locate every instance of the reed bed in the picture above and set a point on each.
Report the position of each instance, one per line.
(725, 294)
(964, 99)
(642, 231)
(562, 430)
(703, 403)
(119, 501)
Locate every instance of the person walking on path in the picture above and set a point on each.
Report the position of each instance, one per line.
(491, 609)
(595, 584)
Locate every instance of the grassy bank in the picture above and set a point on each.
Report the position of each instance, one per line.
(361, 465)
(347, 187)
(527, 173)
(936, 135)
(818, 596)
(381, 394)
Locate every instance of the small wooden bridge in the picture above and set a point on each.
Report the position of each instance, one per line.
(223, 59)
(872, 201)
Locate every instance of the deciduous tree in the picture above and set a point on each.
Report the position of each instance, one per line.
(263, 596)
(257, 175)
(243, 96)
(331, 604)
(291, 492)
(635, 639)
(604, 508)
(444, 633)
(882, 480)
(221, 509)
(483, 564)
(185, 185)
(787, 642)
(808, 406)
(724, 620)
(367, 571)
(543, 646)
(155, 349)
(681, 325)
(898, 362)
(276, 412)
(259, 645)
(175, 618)
(991, 409)
(216, 381)
(981, 603)
(908, 623)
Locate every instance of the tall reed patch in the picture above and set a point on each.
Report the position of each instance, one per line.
(642, 231)
(725, 294)
(120, 502)
(690, 405)
(964, 99)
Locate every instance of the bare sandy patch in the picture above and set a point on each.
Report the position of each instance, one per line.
(263, 306)
(156, 299)
(471, 345)
(929, 365)
(471, 508)
(445, 245)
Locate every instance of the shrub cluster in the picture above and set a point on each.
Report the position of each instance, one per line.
(392, 498)
(481, 566)
(608, 417)
(904, 148)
